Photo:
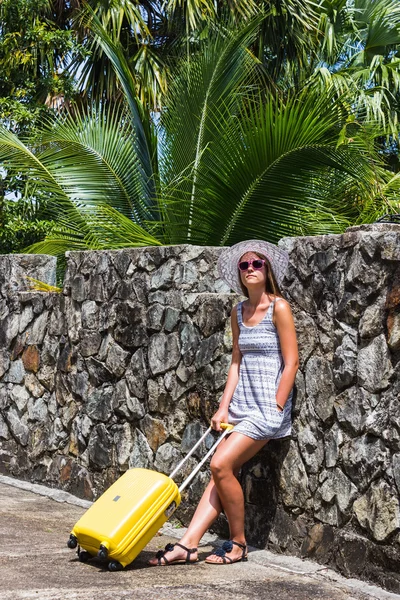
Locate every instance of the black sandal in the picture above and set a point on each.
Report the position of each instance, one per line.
(178, 561)
(226, 548)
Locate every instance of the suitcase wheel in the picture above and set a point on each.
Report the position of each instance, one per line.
(84, 556)
(102, 553)
(72, 542)
(114, 565)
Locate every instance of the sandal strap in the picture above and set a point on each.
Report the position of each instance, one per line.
(227, 548)
(188, 550)
(161, 554)
(222, 554)
(242, 546)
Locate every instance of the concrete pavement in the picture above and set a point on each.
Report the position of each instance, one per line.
(35, 563)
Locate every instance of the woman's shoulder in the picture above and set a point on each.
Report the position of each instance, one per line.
(281, 305)
(237, 307)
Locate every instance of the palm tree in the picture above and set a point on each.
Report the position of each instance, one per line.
(358, 53)
(220, 162)
(153, 33)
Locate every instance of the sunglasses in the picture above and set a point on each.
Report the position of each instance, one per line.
(256, 263)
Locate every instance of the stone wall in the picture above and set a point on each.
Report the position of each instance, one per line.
(118, 371)
(340, 479)
(125, 368)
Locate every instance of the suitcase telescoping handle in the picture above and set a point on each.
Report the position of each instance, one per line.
(227, 429)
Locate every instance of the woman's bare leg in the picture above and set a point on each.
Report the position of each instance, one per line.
(235, 450)
(226, 462)
(206, 513)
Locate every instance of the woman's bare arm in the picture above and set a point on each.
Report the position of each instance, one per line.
(284, 324)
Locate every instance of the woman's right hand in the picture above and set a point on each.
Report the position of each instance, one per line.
(221, 416)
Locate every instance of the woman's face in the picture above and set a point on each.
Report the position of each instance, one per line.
(251, 277)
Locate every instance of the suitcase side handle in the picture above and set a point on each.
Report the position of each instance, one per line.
(227, 429)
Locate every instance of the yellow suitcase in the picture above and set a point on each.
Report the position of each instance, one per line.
(126, 517)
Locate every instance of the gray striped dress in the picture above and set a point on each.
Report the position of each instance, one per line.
(253, 407)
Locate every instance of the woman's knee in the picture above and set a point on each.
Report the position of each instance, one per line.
(220, 467)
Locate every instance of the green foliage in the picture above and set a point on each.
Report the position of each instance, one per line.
(225, 160)
(20, 226)
(198, 121)
(34, 52)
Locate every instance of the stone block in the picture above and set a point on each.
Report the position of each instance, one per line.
(78, 384)
(211, 315)
(176, 423)
(154, 430)
(345, 362)
(374, 367)
(125, 404)
(16, 372)
(320, 387)
(311, 447)
(117, 360)
(64, 362)
(100, 447)
(79, 289)
(131, 330)
(137, 373)
(17, 427)
(155, 316)
(98, 372)
(207, 349)
(4, 433)
(31, 358)
(307, 336)
(162, 278)
(99, 404)
(172, 317)
(352, 553)
(37, 410)
(393, 329)
(89, 342)
(34, 386)
(337, 488)
(333, 440)
(4, 361)
(371, 322)
(364, 459)
(9, 328)
(164, 352)
(141, 455)
(35, 334)
(123, 441)
(294, 480)
(349, 411)
(378, 511)
(192, 433)
(25, 318)
(190, 342)
(318, 545)
(90, 315)
(167, 457)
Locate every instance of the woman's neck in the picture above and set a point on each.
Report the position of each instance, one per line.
(257, 297)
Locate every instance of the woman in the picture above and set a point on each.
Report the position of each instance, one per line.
(257, 396)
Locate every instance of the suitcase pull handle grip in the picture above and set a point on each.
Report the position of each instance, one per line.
(228, 426)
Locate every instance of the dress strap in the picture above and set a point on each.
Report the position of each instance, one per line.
(239, 313)
(274, 301)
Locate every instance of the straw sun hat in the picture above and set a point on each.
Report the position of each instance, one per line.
(230, 257)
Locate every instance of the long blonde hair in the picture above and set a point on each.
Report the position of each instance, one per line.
(271, 285)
